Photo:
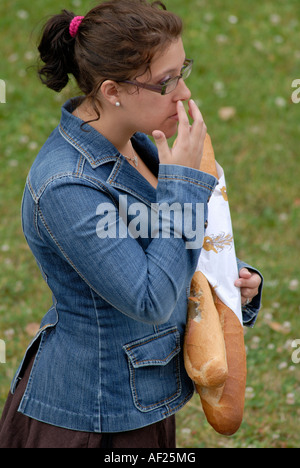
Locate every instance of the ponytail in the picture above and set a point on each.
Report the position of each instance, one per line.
(56, 50)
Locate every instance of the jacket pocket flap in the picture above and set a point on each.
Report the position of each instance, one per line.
(154, 350)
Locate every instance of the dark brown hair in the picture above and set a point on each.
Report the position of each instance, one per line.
(115, 40)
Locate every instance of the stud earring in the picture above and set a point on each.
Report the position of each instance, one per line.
(118, 104)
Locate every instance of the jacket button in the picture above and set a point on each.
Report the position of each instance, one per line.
(205, 224)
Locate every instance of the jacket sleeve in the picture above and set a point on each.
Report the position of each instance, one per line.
(250, 311)
(143, 284)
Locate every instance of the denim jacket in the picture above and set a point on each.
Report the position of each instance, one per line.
(109, 355)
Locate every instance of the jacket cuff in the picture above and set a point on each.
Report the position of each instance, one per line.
(182, 174)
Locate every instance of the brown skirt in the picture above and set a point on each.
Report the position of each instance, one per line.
(19, 431)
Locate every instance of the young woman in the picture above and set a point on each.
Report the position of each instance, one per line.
(106, 368)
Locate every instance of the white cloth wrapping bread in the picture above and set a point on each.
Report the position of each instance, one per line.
(218, 259)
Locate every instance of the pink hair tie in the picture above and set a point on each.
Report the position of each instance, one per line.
(74, 25)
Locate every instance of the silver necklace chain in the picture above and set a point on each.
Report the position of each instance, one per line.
(134, 158)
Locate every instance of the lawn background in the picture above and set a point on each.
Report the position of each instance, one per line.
(247, 54)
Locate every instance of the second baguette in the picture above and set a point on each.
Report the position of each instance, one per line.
(224, 407)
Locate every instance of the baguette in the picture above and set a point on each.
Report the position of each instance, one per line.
(224, 407)
(204, 349)
(222, 394)
(208, 162)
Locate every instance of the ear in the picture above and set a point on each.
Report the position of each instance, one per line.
(110, 91)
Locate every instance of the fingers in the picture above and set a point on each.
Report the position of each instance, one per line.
(188, 149)
(249, 293)
(190, 140)
(162, 146)
(198, 130)
(249, 284)
(245, 273)
(184, 124)
(195, 113)
(248, 280)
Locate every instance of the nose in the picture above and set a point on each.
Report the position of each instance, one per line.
(183, 92)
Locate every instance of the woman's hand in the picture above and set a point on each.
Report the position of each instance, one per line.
(249, 283)
(188, 148)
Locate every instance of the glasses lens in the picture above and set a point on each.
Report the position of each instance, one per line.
(186, 70)
(172, 84)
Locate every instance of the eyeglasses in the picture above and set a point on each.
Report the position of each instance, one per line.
(169, 85)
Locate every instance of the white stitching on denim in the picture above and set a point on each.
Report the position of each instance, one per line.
(93, 162)
(186, 179)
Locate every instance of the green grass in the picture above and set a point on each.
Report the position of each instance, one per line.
(246, 56)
